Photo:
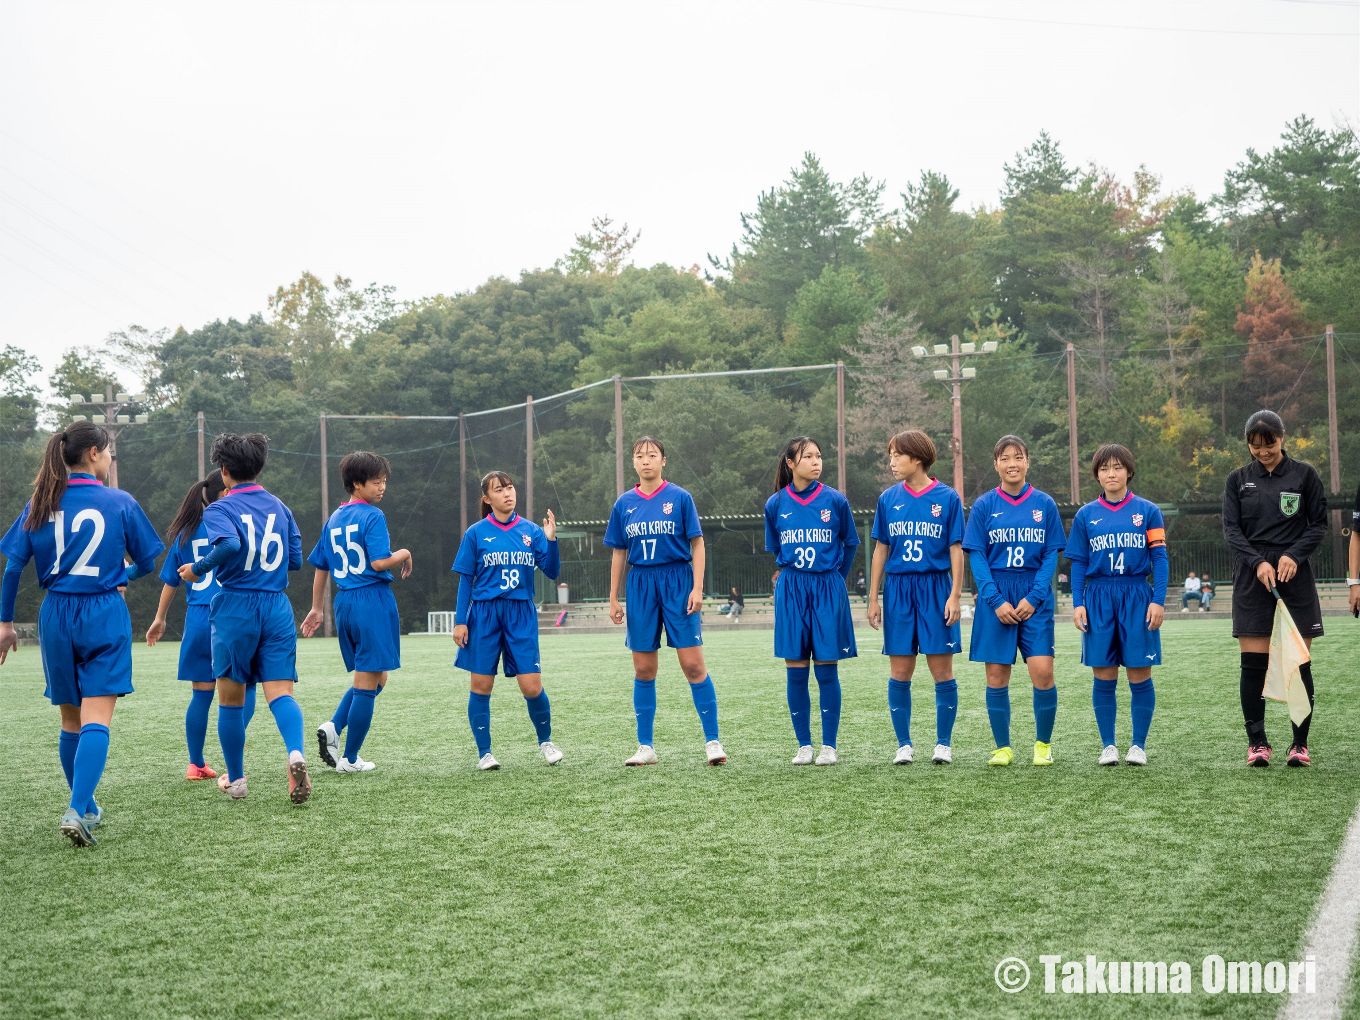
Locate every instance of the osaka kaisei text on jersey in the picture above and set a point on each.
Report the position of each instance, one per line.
(798, 536)
(1117, 540)
(642, 529)
(915, 529)
(508, 558)
(1000, 536)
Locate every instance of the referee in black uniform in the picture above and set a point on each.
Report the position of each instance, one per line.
(1274, 518)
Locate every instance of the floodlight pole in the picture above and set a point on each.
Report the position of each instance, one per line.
(1072, 424)
(956, 400)
(111, 404)
(326, 608)
(201, 471)
(1334, 459)
(618, 433)
(840, 425)
(529, 457)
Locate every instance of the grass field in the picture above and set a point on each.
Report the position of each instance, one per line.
(591, 890)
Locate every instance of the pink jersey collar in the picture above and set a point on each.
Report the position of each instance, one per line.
(644, 495)
(246, 487)
(81, 478)
(933, 482)
(1128, 495)
(514, 519)
(356, 501)
(804, 500)
(1015, 500)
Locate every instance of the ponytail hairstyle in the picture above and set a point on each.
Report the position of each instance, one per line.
(1008, 441)
(190, 513)
(492, 476)
(65, 450)
(783, 474)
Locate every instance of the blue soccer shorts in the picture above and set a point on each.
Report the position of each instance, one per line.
(812, 617)
(913, 614)
(195, 648)
(86, 646)
(254, 636)
(1116, 629)
(369, 627)
(504, 631)
(656, 597)
(994, 641)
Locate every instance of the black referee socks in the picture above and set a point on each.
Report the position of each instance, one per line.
(1301, 732)
(1254, 666)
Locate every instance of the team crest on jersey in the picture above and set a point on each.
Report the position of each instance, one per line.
(1038, 516)
(527, 540)
(826, 516)
(667, 507)
(936, 509)
(1137, 520)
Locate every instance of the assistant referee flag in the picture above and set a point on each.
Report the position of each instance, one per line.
(1287, 653)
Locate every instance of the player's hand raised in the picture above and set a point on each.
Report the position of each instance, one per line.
(155, 632)
(550, 527)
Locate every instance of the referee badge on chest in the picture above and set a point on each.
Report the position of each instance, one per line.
(1289, 503)
(1038, 516)
(667, 507)
(936, 509)
(826, 516)
(527, 540)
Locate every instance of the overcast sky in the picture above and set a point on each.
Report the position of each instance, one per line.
(170, 164)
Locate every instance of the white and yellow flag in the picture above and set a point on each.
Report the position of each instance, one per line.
(1287, 653)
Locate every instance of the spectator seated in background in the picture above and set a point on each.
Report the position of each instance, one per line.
(735, 603)
(1206, 593)
(1192, 591)
(861, 586)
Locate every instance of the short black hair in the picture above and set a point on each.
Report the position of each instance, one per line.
(638, 444)
(1265, 426)
(242, 457)
(1005, 443)
(1109, 452)
(363, 466)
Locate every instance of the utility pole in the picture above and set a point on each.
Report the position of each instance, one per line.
(462, 478)
(1339, 564)
(955, 378)
(529, 457)
(1072, 424)
(840, 425)
(328, 617)
(618, 433)
(201, 470)
(110, 404)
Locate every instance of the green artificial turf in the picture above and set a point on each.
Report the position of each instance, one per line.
(590, 890)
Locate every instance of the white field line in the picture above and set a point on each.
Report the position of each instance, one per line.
(1332, 936)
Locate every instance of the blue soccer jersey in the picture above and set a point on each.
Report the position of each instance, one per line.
(267, 539)
(501, 558)
(655, 529)
(191, 549)
(80, 550)
(352, 539)
(918, 527)
(1015, 532)
(810, 531)
(1116, 539)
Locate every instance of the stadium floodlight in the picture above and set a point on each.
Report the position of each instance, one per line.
(918, 352)
(98, 419)
(941, 348)
(77, 417)
(123, 419)
(139, 398)
(76, 398)
(968, 373)
(989, 347)
(968, 349)
(140, 419)
(122, 398)
(941, 374)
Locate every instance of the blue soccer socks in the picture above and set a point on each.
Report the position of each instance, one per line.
(540, 714)
(1045, 712)
(341, 718)
(706, 704)
(946, 711)
(88, 767)
(644, 707)
(899, 707)
(66, 748)
(249, 707)
(999, 714)
(288, 718)
(359, 720)
(231, 733)
(829, 698)
(800, 703)
(479, 718)
(1142, 700)
(1102, 700)
(196, 724)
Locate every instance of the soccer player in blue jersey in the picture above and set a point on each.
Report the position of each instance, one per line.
(654, 530)
(1013, 539)
(918, 528)
(356, 550)
(253, 542)
(188, 540)
(1115, 543)
(78, 532)
(496, 620)
(810, 530)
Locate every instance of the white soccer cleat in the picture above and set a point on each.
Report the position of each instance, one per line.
(715, 752)
(804, 755)
(328, 743)
(1109, 756)
(1136, 756)
(357, 765)
(552, 754)
(904, 755)
(944, 754)
(235, 790)
(488, 763)
(827, 757)
(643, 756)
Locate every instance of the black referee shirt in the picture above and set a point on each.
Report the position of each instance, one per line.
(1285, 509)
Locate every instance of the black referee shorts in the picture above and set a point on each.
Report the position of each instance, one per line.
(1253, 606)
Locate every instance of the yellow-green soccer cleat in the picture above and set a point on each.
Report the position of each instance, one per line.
(1043, 753)
(1001, 756)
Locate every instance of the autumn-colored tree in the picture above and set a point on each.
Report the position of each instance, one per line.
(1270, 317)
